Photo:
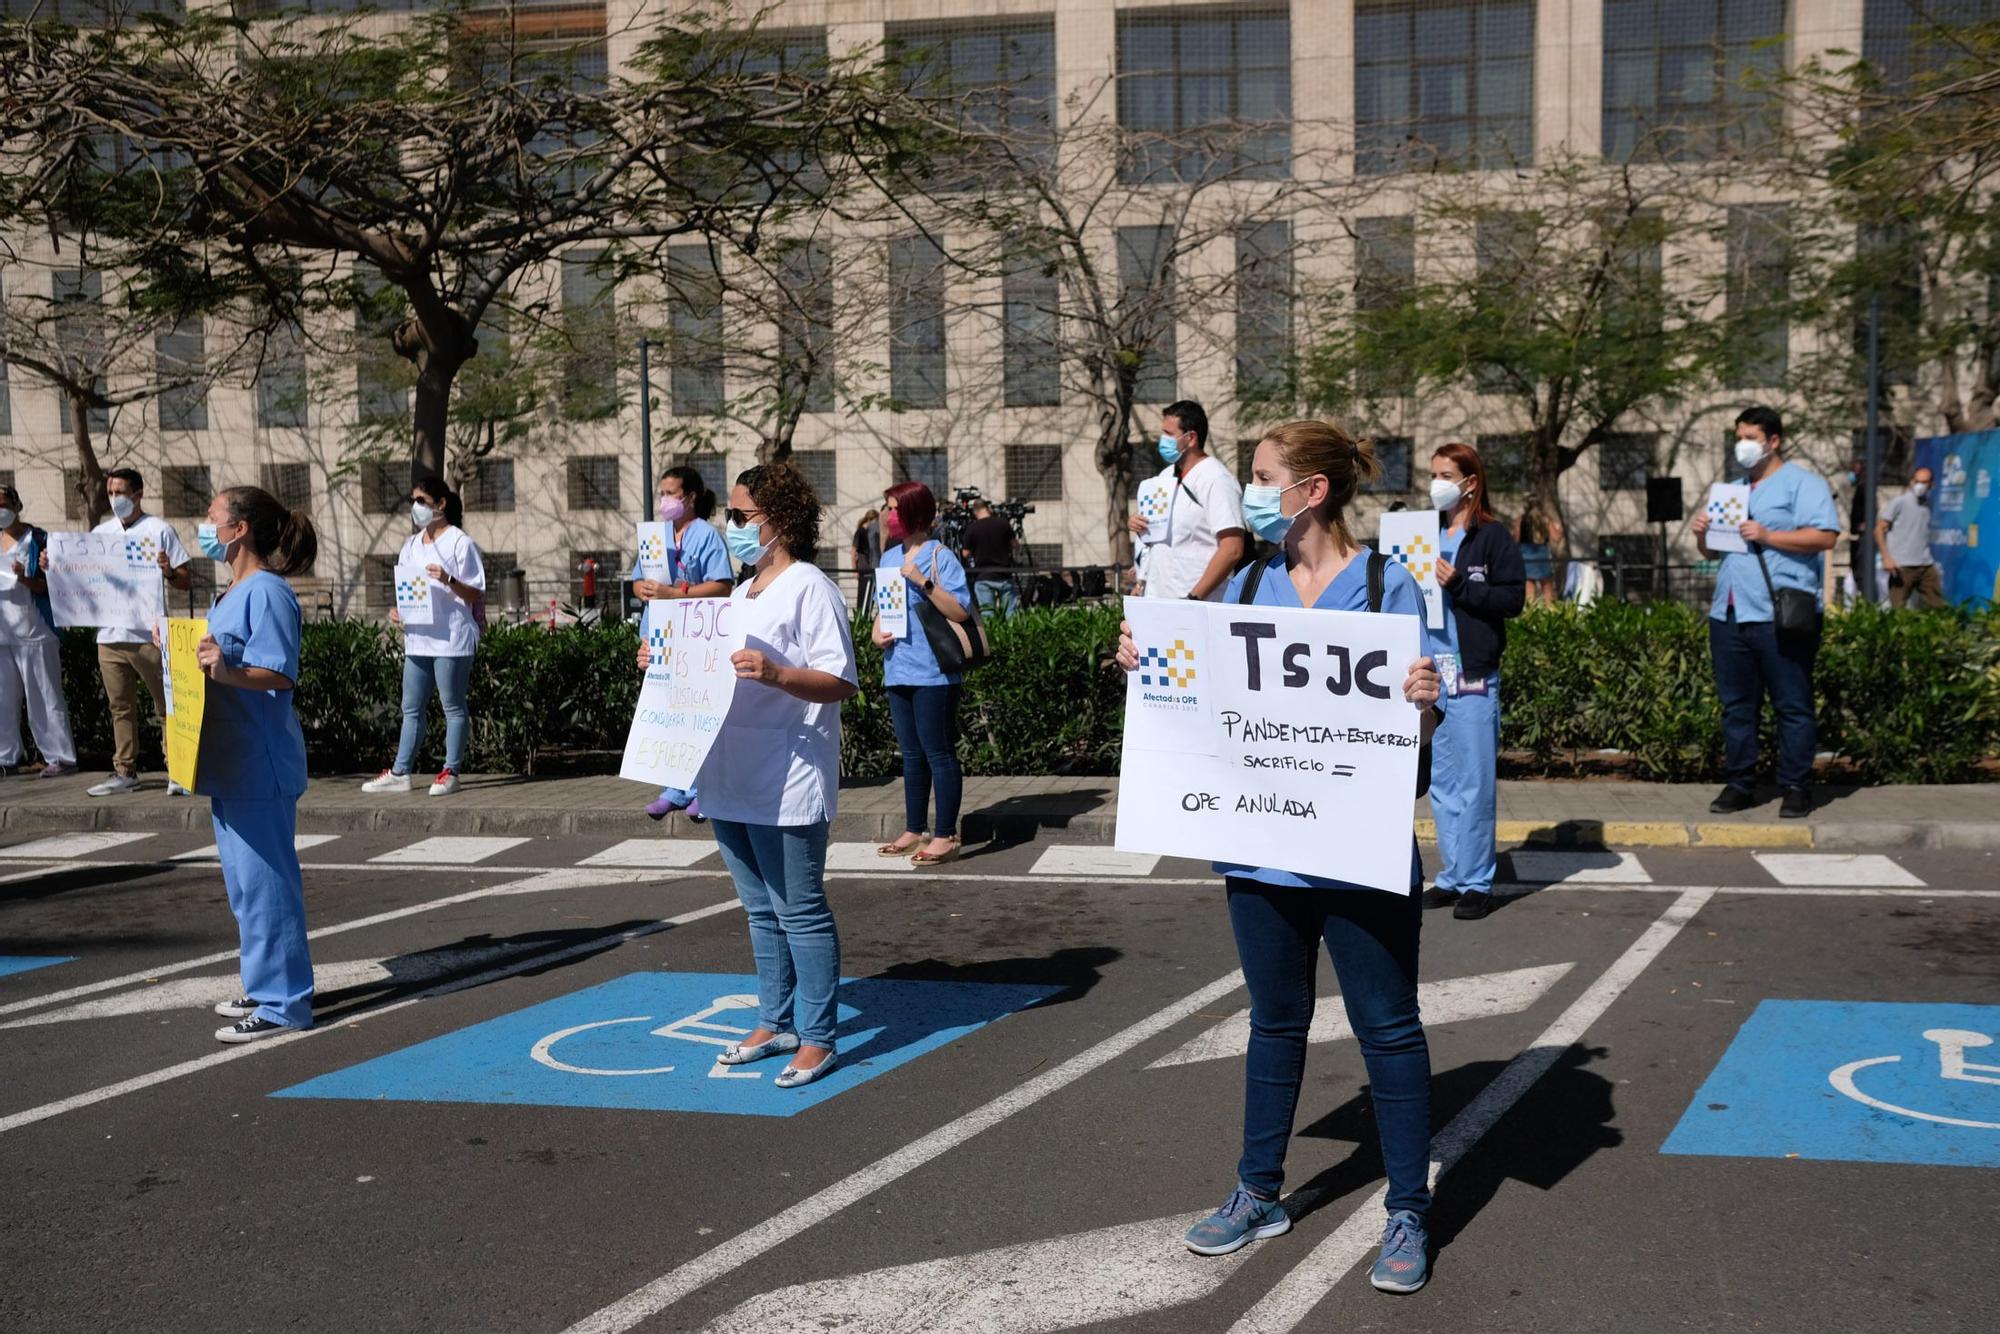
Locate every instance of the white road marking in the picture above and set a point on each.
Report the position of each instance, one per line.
(1834, 868)
(69, 845)
(451, 849)
(1079, 859)
(1291, 1300)
(1112, 1273)
(31, 873)
(200, 1063)
(746, 1246)
(539, 882)
(1443, 1002)
(300, 842)
(651, 852)
(863, 857)
(1554, 868)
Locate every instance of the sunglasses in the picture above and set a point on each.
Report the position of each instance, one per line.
(741, 517)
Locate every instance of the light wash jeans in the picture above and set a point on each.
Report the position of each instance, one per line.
(448, 676)
(780, 874)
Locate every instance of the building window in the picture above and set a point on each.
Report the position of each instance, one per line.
(1506, 457)
(491, 487)
(1759, 290)
(1264, 313)
(1394, 453)
(378, 581)
(1146, 299)
(179, 363)
(817, 467)
(382, 379)
(281, 380)
(805, 331)
(713, 468)
(1629, 563)
(590, 337)
(1385, 279)
(932, 467)
(384, 489)
(1888, 259)
(996, 79)
(290, 484)
(7, 474)
(1034, 472)
(1030, 300)
(1043, 555)
(694, 330)
(80, 332)
(593, 482)
(1625, 461)
(1205, 93)
(1903, 40)
(916, 322)
(185, 492)
(1681, 77)
(1443, 85)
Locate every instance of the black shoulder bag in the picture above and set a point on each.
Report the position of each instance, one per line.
(1794, 611)
(958, 646)
(1377, 563)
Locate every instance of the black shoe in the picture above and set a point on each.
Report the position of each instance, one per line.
(1440, 898)
(240, 1008)
(1472, 906)
(1731, 800)
(1797, 805)
(252, 1029)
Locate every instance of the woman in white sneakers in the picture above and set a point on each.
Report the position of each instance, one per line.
(437, 656)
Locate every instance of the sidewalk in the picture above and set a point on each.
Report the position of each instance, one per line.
(1597, 813)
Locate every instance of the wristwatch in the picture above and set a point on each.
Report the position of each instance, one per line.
(928, 586)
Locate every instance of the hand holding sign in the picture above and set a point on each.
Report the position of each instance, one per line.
(1155, 502)
(414, 604)
(892, 605)
(1728, 508)
(688, 654)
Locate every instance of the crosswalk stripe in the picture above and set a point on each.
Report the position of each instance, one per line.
(451, 849)
(665, 852)
(1834, 868)
(71, 845)
(862, 857)
(1081, 859)
(300, 842)
(1554, 868)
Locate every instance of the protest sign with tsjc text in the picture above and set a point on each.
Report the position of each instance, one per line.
(1410, 537)
(1271, 736)
(187, 695)
(689, 683)
(101, 579)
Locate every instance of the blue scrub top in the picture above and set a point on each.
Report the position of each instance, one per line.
(251, 745)
(1445, 638)
(1791, 497)
(29, 552)
(910, 662)
(699, 558)
(1347, 592)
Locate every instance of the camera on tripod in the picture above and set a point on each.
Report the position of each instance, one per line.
(957, 516)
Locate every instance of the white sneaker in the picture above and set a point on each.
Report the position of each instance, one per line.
(176, 790)
(114, 785)
(446, 784)
(387, 782)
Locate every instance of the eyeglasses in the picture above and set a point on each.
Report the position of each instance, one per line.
(741, 517)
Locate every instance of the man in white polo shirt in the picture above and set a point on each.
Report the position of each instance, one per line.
(125, 656)
(1205, 538)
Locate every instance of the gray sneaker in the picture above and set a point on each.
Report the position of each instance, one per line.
(1242, 1219)
(115, 785)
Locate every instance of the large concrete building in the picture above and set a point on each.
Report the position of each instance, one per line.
(1491, 82)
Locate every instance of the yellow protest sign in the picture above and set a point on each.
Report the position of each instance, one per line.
(187, 694)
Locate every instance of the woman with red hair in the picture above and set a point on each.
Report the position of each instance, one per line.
(923, 698)
(1479, 567)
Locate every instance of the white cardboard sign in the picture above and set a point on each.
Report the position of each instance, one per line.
(1273, 736)
(1156, 505)
(1728, 507)
(653, 545)
(892, 601)
(416, 597)
(1410, 537)
(95, 580)
(689, 683)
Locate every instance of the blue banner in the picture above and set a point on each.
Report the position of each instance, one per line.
(1965, 510)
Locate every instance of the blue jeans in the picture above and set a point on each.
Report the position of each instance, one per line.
(780, 874)
(254, 841)
(1751, 657)
(995, 595)
(1464, 753)
(1372, 937)
(448, 676)
(926, 719)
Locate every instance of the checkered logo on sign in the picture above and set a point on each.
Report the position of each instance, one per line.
(1727, 513)
(656, 639)
(653, 550)
(412, 588)
(141, 550)
(1417, 556)
(1174, 667)
(1153, 504)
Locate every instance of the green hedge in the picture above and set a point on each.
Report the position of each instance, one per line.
(1904, 697)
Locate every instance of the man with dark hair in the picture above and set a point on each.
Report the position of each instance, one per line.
(126, 655)
(1205, 538)
(989, 546)
(1792, 523)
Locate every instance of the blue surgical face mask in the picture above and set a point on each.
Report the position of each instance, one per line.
(211, 545)
(1170, 448)
(741, 539)
(1261, 511)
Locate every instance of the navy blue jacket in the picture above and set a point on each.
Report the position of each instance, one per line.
(1488, 585)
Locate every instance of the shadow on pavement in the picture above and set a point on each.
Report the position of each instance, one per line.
(438, 964)
(84, 877)
(1076, 970)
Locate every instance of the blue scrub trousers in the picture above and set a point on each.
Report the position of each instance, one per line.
(254, 839)
(1465, 751)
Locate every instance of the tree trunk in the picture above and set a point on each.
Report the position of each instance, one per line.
(439, 347)
(90, 473)
(1114, 464)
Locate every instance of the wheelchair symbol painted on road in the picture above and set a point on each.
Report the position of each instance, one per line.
(683, 1028)
(1951, 1044)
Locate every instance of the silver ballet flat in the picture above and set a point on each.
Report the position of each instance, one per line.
(791, 1077)
(777, 1046)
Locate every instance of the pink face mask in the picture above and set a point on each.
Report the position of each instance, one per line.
(671, 509)
(892, 524)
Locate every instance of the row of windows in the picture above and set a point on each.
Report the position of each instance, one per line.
(183, 491)
(1624, 462)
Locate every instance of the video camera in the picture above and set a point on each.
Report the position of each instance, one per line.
(957, 516)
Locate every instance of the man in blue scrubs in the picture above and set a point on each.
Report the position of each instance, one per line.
(1792, 523)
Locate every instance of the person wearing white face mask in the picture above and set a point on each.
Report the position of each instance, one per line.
(1205, 540)
(438, 656)
(1903, 536)
(697, 567)
(1764, 622)
(30, 653)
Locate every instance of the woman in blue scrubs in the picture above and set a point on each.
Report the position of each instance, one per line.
(697, 567)
(252, 765)
(1304, 476)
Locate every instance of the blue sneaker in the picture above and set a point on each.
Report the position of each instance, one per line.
(1242, 1219)
(1405, 1262)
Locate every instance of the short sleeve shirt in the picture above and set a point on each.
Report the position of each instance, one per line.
(1206, 503)
(910, 661)
(148, 527)
(251, 745)
(1909, 521)
(1347, 592)
(1790, 498)
(455, 634)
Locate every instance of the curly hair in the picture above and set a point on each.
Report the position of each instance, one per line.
(789, 504)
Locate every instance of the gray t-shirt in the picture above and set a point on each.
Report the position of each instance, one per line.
(1909, 521)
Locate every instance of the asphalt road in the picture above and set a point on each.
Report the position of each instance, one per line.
(1633, 1096)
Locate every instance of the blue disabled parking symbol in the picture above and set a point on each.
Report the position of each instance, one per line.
(1856, 1082)
(28, 963)
(649, 1041)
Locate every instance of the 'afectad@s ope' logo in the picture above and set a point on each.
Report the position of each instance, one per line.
(1167, 675)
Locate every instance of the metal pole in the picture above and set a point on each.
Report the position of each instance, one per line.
(1872, 456)
(645, 431)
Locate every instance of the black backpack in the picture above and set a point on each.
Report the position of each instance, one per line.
(1377, 562)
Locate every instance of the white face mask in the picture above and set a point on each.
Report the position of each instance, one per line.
(7, 517)
(421, 515)
(1749, 453)
(1445, 494)
(122, 506)
(1917, 489)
